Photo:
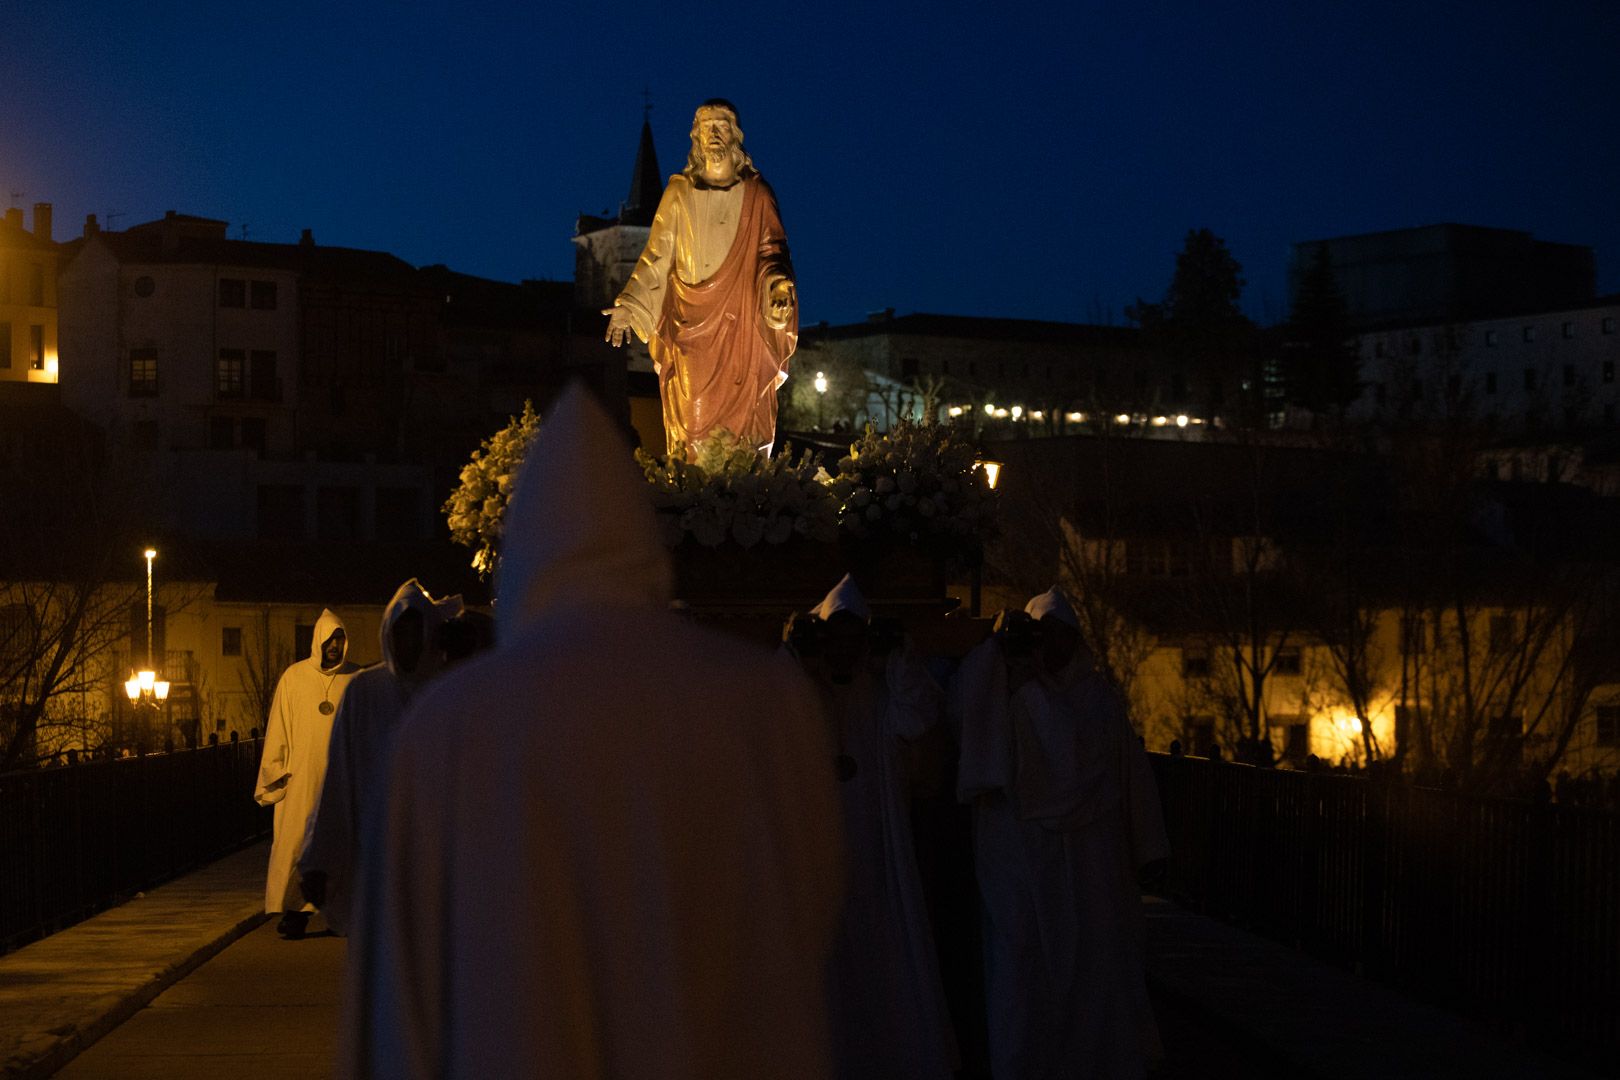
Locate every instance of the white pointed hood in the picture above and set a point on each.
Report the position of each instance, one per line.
(1052, 602)
(845, 596)
(435, 613)
(580, 529)
(324, 628)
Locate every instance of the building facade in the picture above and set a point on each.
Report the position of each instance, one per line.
(28, 301)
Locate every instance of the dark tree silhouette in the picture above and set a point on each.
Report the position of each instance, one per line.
(1318, 365)
(1200, 331)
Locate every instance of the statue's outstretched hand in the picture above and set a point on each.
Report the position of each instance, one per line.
(618, 328)
(782, 303)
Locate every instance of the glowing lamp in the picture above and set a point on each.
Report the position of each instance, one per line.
(992, 472)
(1181, 421)
(1017, 412)
(160, 689)
(1160, 421)
(1037, 415)
(147, 679)
(132, 687)
(956, 410)
(150, 553)
(821, 382)
(1122, 418)
(989, 408)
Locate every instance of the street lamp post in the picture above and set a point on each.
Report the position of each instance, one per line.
(143, 687)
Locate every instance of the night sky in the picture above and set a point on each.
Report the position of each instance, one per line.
(1040, 161)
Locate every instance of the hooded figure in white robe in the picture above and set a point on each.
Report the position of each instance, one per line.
(291, 771)
(361, 732)
(890, 1020)
(1066, 814)
(610, 844)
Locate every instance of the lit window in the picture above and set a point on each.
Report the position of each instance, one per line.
(228, 373)
(143, 372)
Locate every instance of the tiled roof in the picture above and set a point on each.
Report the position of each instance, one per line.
(149, 244)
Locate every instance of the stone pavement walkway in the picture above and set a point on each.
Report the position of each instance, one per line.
(61, 994)
(1314, 1020)
(264, 1009)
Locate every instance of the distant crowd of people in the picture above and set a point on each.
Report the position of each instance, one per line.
(618, 843)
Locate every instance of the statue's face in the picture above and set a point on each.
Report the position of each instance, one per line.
(715, 134)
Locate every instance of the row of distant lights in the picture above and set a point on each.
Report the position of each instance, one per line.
(1180, 420)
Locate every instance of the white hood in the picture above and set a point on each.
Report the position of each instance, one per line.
(580, 529)
(845, 596)
(1052, 602)
(435, 613)
(324, 627)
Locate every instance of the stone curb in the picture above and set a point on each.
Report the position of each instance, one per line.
(63, 1044)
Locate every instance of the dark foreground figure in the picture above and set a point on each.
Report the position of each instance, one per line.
(610, 845)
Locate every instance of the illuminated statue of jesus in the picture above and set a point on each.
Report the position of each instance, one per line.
(713, 293)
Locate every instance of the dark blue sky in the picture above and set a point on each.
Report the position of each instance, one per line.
(1003, 158)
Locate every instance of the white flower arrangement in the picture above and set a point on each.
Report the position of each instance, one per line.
(732, 492)
(477, 506)
(917, 485)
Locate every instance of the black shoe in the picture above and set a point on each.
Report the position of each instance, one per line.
(292, 925)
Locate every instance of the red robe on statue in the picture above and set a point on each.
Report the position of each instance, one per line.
(719, 359)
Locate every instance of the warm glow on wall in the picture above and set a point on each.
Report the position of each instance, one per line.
(1336, 732)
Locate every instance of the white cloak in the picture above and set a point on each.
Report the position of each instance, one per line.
(609, 846)
(1065, 813)
(889, 1016)
(293, 766)
(361, 732)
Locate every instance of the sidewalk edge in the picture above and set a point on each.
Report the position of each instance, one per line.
(84, 1034)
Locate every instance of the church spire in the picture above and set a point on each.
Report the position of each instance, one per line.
(646, 184)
